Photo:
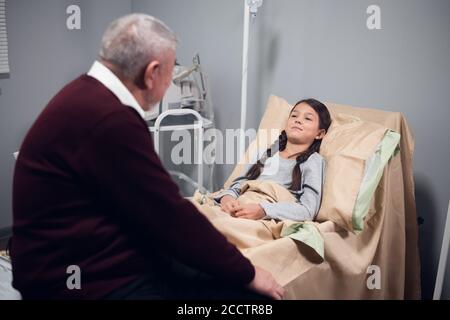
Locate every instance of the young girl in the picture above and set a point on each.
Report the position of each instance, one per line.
(301, 168)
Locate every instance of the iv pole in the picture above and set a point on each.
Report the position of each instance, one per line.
(250, 6)
(442, 259)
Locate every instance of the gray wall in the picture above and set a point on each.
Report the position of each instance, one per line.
(299, 48)
(323, 49)
(44, 55)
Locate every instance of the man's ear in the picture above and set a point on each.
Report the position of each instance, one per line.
(150, 73)
(321, 134)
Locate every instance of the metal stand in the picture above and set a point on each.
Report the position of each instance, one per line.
(443, 258)
(198, 126)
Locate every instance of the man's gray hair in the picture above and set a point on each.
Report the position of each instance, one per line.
(133, 41)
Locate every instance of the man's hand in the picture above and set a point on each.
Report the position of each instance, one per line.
(229, 204)
(265, 284)
(250, 211)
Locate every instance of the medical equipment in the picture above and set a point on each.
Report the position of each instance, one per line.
(186, 106)
(443, 258)
(250, 7)
(188, 90)
(198, 126)
(254, 5)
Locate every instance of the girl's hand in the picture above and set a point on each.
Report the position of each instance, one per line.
(229, 204)
(250, 211)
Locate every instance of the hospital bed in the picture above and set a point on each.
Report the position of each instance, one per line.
(373, 255)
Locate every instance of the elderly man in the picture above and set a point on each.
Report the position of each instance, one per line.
(92, 200)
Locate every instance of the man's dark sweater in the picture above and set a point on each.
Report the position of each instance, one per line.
(89, 190)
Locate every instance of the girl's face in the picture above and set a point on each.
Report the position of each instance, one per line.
(303, 125)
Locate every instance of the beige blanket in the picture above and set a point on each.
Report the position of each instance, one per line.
(285, 248)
